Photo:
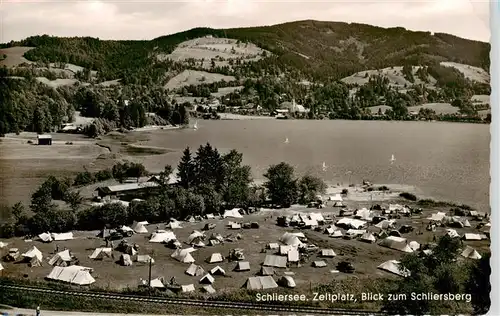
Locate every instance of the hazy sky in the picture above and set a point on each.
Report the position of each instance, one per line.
(127, 19)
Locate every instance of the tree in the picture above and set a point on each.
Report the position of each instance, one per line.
(309, 187)
(73, 198)
(208, 167)
(236, 179)
(479, 285)
(281, 184)
(18, 211)
(186, 171)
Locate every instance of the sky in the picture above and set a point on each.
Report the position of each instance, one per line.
(127, 19)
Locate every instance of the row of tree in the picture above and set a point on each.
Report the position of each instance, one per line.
(209, 182)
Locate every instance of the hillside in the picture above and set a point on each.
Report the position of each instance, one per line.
(319, 50)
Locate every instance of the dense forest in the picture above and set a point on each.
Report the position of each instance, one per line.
(334, 50)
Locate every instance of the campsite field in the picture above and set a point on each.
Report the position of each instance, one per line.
(364, 256)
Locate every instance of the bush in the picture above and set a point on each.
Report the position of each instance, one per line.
(7, 231)
(103, 175)
(84, 178)
(408, 196)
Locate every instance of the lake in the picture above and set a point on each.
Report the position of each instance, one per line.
(446, 161)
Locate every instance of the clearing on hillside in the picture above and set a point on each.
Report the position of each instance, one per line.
(221, 50)
(194, 77)
(394, 74)
(439, 108)
(224, 91)
(58, 82)
(470, 72)
(383, 108)
(14, 56)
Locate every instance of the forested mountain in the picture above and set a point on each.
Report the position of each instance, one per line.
(320, 53)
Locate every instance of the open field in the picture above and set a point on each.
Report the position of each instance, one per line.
(14, 56)
(59, 82)
(394, 74)
(364, 256)
(383, 108)
(470, 72)
(194, 77)
(439, 108)
(224, 91)
(221, 50)
(480, 98)
(232, 116)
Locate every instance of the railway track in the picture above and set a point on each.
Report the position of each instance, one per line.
(192, 302)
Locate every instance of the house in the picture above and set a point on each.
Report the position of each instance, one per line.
(44, 139)
(293, 107)
(124, 189)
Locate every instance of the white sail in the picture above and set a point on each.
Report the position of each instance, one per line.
(286, 141)
(324, 166)
(392, 159)
(195, 126)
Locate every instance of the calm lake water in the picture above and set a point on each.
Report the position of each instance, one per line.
(448, 161)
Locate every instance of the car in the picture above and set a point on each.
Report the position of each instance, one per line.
(345, 266)
(115, 236)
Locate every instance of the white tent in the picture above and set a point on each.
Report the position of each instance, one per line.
(207, 279)
(242, 266)
(1, 267)
(318, 217)
(143, 223)
(174, 224)
(2, 244)
(284, 249)
(33, 253)
(100, 253)
(327, 253)
(195, 236)
(233, 225)
(126, 229)
(162, 236)
(273, 246)
(234, 213)
(337, 234)
(319, 264)
(466, 223)
(217, 271)
(293, 255)
(215, 258)
(469, 236)
(73, 274)
(145, 259)
(208, 288)
(125, 260)
(330, 229)
(187, 288)
(63, 236)
(355, 232)
(61, 258)
(336, 198)
(439, 216)
(470, 253)
(351, 222)
(396, 243)
(183, 255)
(195, 270)
(386, 224)
(275, 261)
(260, 283)
(364, 214)
(287, 281)
(210, 216)
(368, 237)
(290, 239)
(310, 223)
(394, 266)
(452, 233)
(414, 245)
(156, 283)
(45, 237)
(139, 228)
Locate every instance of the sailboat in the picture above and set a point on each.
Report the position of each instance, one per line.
(286, 141)
(324, 166)
(392, 159)
(195, 126)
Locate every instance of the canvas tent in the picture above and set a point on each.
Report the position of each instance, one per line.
(266, 271)
(62, 237)
(183, 255)
(187, 288)
(368, 237)
(217, 271)
(234, 213)
(319, 264)
(284, 249)
(287, 281)
(318, 217)
(330, 229)
(195, 270)
(469, 236)
(73, 274)
(3, 244)
(337, 234)
(290, 239)
(125, 260)
(33, 253)
(470, 253)
(105, 233)
(195, 237)
(139, 228)
(275, 261)
(452, 233)
(173, 224)
(273, 246)
(215, 258)
(61, 259)
(351, 223)
(242, 266)
(328, 253)
(1, 267)
(162, 236)
(386, 224)
(437, 217)
(145, 259)
(207, 279)
(394, 266)
(364, 214)
(396, 243)
(208, 288)
(336, 198)
(156, 283)
(45, 237)
(414, 245)
(101, 253)
(293, 255)
(260, 283)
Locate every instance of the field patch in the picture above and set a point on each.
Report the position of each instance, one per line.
(58, 82)
(439, 108)
(221, 50)
(383, 108)
(194, 77)
(470, 72)
(14, 56)
(224, 91)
